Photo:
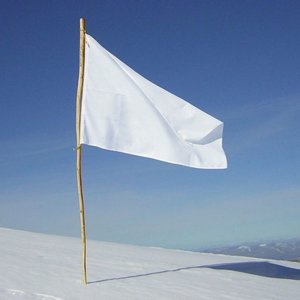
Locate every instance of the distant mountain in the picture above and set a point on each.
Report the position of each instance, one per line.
(283, 249)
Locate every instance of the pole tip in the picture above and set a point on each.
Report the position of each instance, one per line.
(82, 23)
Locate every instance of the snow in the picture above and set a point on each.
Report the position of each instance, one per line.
(43, 267)
(244, 248)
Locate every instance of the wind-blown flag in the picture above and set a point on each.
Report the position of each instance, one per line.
(123, 111)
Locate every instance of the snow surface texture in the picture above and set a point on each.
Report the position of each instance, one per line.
(43, 267)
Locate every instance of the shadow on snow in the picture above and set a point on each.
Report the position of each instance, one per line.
(263, 268)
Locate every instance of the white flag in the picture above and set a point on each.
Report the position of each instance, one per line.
(123, 111)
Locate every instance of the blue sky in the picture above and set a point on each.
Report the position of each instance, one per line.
(237, 60)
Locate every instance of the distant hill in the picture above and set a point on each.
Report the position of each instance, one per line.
(283, 249)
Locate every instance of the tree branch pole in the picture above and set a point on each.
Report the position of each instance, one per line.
(78, 146)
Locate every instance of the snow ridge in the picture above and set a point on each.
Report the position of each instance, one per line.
(44, 267)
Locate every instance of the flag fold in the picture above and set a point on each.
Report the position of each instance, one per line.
(122, 111)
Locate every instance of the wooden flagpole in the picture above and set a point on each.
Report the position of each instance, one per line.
(78, 146)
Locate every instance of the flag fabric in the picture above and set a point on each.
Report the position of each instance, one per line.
(122, 111)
